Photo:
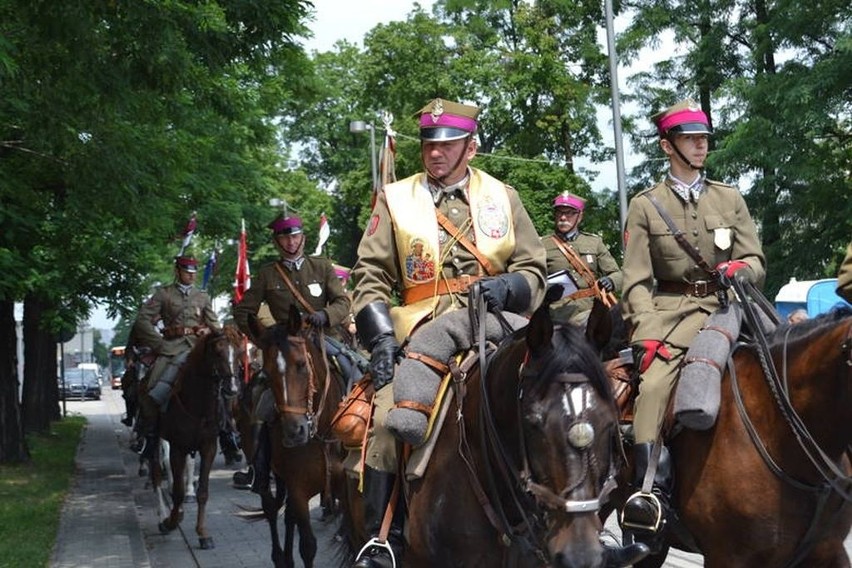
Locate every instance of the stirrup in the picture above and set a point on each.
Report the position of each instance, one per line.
(376, 543)
(655, 502)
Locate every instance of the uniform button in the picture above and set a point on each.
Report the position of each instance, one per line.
(456, 261)
(451, 197)
(695, 214)
(455, 248)
(695, 232)
(454, 211)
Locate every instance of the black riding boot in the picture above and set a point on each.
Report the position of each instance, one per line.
(260, 460)
(147, 429)
(229, 447)
(645, 515)
(378, 489)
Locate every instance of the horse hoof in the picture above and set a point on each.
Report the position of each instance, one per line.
(163, 528)
(206, 543)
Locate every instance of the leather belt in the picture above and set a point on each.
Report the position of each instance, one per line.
(178, 331)
(445, 286)
(699, 288)
(584, 293)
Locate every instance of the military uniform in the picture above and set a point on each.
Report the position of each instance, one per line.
(182, 314)
(315, 280)
(721, 228)
(594, 253)
(378, 270)
(407, 251)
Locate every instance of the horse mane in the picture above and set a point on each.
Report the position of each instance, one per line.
(793, 333)
(573, 353)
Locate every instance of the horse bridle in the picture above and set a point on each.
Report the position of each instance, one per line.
(581, 437)
(311, 413)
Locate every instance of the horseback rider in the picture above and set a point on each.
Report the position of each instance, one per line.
(407, 249)
(185, 314)
(670, 290)
(311, 284)
(585, 261)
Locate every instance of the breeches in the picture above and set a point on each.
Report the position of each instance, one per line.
(382, 445)
(655, 389)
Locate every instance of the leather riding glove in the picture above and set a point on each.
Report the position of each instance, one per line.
(606, 284)
(645, 352)
(384, 355)
(738, 269)
(375, 331)
(506, 292)
(317, 319)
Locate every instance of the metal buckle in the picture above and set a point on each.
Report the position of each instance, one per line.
(701, 288)
(463, 282)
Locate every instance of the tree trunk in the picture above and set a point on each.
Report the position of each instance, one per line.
(13, 443)
(41, 395)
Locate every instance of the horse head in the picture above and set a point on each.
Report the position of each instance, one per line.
(293, 365)
(570, 445)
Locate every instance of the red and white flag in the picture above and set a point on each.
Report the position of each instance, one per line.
(188, 231)
(242, 281)
(324, 233)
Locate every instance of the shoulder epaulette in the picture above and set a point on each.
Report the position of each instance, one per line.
(714, 182)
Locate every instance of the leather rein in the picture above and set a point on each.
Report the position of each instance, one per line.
(313, 413)
(525, 493)
(835, 480)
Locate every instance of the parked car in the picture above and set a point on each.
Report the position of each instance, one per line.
(80, 384)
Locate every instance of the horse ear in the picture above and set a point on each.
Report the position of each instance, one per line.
(599, 326)
(540, 329)
(295, 320)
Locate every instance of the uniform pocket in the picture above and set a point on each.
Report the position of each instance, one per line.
(662, 242)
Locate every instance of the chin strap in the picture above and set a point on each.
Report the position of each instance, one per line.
(451, 170)
(681, 156)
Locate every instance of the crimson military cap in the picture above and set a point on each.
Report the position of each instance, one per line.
(286, 225)
(686, 117)
(187, 263)
(443, 121)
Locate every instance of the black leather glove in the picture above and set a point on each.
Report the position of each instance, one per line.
(317, 319)
(375, 330)
(506, 292)
(606, 284)
(383, 358)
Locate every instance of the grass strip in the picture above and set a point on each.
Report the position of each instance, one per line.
(32, 494)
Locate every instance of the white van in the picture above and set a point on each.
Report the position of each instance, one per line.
(95, 367)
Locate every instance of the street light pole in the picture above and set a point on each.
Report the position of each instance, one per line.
(358, 127)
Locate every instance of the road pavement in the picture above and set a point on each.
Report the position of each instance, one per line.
(110, 520)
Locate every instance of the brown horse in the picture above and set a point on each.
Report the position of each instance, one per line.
(303, 456)
(517, 478)
(190, 424)
(769, 484)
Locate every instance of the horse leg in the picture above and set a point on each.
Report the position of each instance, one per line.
(190, 480)
(271, 505)
(178, 462)
(208, 454)
(289, 534)
(298, 513)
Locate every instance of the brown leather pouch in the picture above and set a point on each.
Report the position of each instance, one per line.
(352, 419)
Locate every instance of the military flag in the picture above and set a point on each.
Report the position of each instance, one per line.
(324, 233)
(188, 231)
(242, 280)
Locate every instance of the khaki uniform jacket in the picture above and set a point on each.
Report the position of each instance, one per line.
(377, 271)
(722, 229)
(316, 282)
(171, 307)
(594, 253)
(844, 277)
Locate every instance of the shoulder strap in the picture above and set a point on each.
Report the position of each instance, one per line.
(687, 247)
(465, 242)
(607, 298)
(293, 289)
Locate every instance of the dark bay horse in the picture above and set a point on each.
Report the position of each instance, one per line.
(304, 457)
(769, 484)
(190, 424)
(522, 464)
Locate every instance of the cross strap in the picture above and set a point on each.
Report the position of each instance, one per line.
(607, 298)
(465, 242)
(293, 290)
(687, 247)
